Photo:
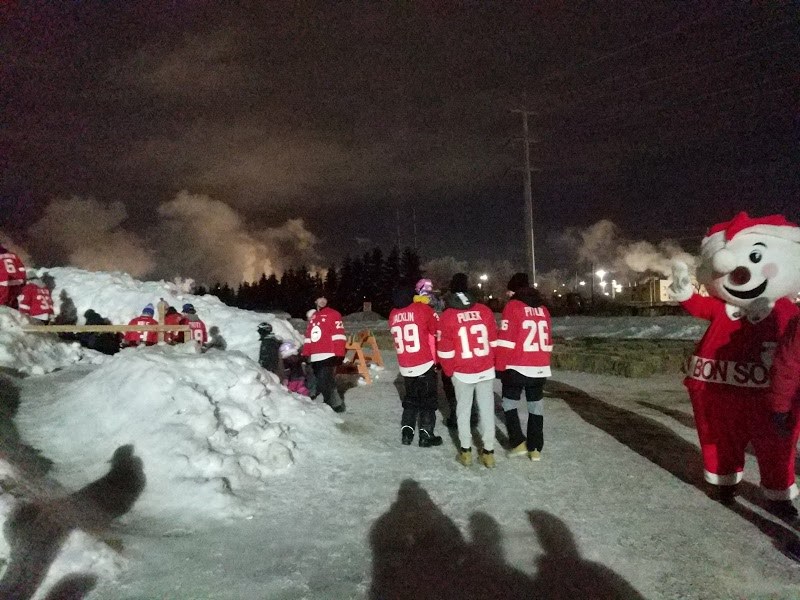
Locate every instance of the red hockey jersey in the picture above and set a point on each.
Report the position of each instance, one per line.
(412, 328)
(784, 393)
(466, 340)
(198, 331)
(12, 271)
(524, 341)
(325, 335)
(35, 301)
(134, 338)
(734, 351)
(174, 337)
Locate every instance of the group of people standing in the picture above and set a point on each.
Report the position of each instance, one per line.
(22, 290)
(472, 352)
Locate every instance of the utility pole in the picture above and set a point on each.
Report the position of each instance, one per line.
(528, 194)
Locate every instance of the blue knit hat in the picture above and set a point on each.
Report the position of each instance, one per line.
(149, 310)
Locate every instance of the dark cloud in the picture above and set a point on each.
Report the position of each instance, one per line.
(342, 113)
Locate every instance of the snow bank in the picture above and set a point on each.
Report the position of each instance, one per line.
(210, 428)
(665, 327)
(119, 297)
(32, 353)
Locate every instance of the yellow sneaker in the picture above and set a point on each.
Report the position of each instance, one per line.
(520, 450)
(535, 455)
(487, 459)
(465, 456)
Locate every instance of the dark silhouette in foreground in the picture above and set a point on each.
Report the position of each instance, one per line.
(419, 552)
(36, 530)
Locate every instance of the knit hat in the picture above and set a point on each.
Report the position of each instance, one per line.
(264, 328)
(188, 308)
(459, 283)
(424, 287)
(773, 226)
(149, 310)
(517, 282)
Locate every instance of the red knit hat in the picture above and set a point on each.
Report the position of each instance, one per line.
(773, 226)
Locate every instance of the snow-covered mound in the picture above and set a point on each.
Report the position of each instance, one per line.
(664, 327)
(210, 428)
(119, 297)
(32, 353)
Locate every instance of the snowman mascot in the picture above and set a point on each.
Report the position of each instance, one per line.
(751, 269)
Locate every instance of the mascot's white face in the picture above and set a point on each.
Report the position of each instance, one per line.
(751, 266)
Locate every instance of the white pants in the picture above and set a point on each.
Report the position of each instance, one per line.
(484, 396)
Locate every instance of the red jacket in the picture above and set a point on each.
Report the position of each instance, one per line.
(174, 337)
(325, 335)
(198, 330)
(12, 276)
(134, 338)
(785, 371)
(467, 337)
(35, 301)
(412, 328)
(734, 352)
(524, 342)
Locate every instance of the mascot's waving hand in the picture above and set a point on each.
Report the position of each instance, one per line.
(751, 269)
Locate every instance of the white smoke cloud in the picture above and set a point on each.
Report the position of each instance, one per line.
(7, 242)
(87, 234)
(602, 245)
(196, 237)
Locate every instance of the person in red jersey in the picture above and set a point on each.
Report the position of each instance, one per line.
(173, 317)
(751, 269)
(524, 344)
(36, 301)
(413, 328)
(467, 335)
(12, 277)
(148, 338)
(324, 345)
(198, 331)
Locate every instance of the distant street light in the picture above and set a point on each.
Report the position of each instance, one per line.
(483, 277)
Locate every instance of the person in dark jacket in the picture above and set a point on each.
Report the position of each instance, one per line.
(107, 343)
(269, 356)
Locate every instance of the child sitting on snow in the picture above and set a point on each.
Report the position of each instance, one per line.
(295, 368)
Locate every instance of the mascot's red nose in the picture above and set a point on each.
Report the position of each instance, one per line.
(740, 276)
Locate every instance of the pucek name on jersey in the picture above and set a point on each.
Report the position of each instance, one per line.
(469, 315)
(531, 311)
(403, 317)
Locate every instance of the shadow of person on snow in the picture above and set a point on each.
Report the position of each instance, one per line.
(663, 447)
(24, 458)
(35, 531)
(419, 552)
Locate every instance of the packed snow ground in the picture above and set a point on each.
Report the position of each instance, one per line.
(253, 492)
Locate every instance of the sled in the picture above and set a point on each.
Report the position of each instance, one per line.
(365, 352)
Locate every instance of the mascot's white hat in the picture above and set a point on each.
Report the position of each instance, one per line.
(772, 226)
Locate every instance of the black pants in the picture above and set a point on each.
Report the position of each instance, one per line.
(420, 400)
(325, 374)
(513, 385)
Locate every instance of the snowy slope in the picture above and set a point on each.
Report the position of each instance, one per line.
(119, 297)
(33, 354)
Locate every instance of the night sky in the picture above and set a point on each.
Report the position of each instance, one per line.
(664, 117)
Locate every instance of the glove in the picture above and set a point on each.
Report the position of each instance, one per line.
(758, 309)
(681, 288)
(783, 423)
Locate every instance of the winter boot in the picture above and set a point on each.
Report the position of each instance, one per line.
(725, 494)
(783, 509)
(465, 456)
(515, 438)
(406, 435)
(535, 433)
(487, 458)
(535, 455)
(427, 421)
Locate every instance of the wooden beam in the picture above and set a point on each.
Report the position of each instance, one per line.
(101, 328)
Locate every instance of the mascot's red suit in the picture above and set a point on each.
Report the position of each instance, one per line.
(751, 269)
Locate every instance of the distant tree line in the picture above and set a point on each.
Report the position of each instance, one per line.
(368, 278)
